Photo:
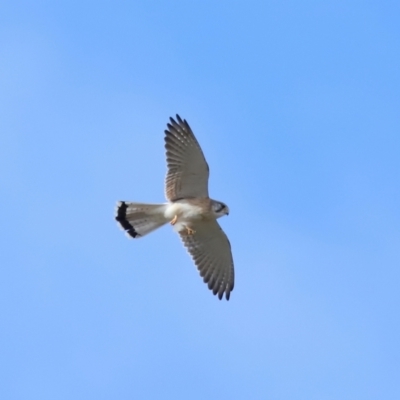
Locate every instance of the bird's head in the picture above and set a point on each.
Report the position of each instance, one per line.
(219, 209)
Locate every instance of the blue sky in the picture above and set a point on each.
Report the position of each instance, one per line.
(296, 105)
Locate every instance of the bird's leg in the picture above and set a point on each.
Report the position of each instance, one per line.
(190, 231)
(173, 221)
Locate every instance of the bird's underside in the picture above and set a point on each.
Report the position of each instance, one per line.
(190, 211)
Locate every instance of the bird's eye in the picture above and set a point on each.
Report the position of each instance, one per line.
(219, 207)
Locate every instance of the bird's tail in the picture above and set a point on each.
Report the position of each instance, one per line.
(139, 219)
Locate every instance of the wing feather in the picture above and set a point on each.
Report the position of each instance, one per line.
(211, 252)
(188, 171)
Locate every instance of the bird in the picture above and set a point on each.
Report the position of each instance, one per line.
(190, 210)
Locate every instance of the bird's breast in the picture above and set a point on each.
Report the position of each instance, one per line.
(184, 211)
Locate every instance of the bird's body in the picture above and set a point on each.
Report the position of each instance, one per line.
(190, 211)
(187, 211)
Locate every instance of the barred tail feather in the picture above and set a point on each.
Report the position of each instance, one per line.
(139, 219)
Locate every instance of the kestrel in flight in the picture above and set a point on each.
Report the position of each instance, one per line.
(189, 210)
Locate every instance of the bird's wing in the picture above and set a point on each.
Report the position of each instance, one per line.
(188, 171)
(211, 252)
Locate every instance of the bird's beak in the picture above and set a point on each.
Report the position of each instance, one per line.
(227, 211)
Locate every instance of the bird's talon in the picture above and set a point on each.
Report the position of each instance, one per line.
(190, 231)
(173, 221)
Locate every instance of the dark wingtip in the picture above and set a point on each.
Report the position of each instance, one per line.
(122, 220)
(221, 294)
(178, 122)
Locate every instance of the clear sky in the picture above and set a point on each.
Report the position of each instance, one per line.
(297, 107)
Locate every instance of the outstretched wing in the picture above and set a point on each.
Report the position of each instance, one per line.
(188, 171)
(211, 252)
